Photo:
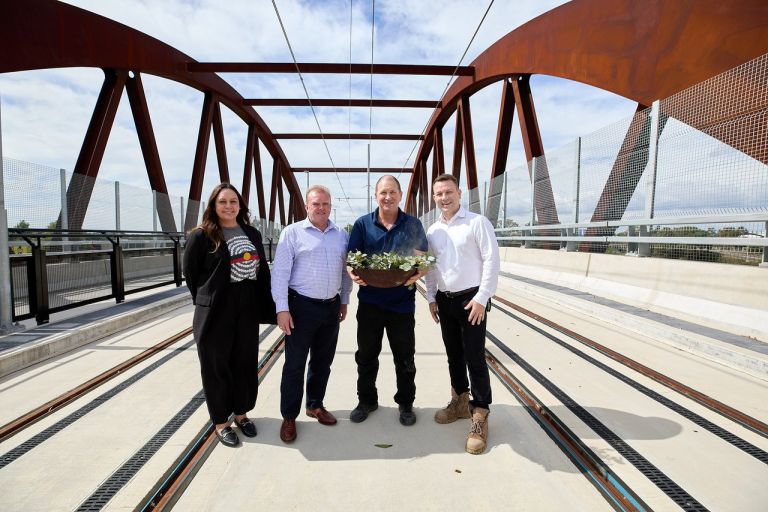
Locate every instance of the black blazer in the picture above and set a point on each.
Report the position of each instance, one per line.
(207, 275)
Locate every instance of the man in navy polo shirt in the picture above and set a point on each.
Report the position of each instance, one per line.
(386, 229)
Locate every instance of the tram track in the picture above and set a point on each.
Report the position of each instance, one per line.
(709, 426)
(174, 482)
(720, 408)
(30, 418)
(605, 481)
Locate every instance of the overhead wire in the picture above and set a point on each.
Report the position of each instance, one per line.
(312, 107)
(448, 83)
(370, 105)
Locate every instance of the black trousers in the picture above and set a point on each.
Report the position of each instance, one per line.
(372, 320)
(315, 333)
(229, 354)
(465, 347)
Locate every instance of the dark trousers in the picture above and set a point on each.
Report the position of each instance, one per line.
(465, 347)
(315, 333)
(229, 354)
(371, 322)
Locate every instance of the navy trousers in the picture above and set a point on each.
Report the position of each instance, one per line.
(315, 333)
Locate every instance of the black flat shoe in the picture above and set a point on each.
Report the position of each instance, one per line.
(227, 437)
(246, 427)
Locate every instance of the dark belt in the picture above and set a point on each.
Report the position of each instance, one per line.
(452, 295)
(294, 293)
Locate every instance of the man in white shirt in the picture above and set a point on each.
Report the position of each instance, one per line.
(458, 291)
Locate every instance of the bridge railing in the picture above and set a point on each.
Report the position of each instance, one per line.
(56, 270)
(650, 237)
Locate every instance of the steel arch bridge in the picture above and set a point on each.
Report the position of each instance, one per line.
(642, 51)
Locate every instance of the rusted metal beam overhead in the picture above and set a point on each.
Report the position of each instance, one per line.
(298, 102)
(325, 67)
(377, 170)
(345, 136)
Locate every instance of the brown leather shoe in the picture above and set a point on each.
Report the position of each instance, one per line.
(322, 415)
(288, 431)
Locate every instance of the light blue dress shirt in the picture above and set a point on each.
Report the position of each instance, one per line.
(311, 262)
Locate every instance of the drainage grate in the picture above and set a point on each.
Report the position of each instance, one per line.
(704, 423)
(112, 485)
(119, 478)
(60, 425)
(654, 474)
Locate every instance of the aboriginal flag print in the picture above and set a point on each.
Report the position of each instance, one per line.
(244, 260)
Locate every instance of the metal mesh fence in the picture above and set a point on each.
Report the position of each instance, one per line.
(698, 157)
(34, 196)
(145, 267)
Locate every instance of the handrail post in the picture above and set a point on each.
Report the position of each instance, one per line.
(177, 277)
(42, 306)
(117, 271)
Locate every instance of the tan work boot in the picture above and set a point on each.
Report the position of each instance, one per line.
(478, 434)
(457, 408)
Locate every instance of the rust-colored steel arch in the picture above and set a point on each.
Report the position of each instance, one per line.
(642, 51)
(43, 34)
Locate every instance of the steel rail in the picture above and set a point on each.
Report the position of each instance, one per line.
(724, 410)
(173, 484)
(14, 427)
(613, 489)
(607, 483)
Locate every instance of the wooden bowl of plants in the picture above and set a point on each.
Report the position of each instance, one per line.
(386, 270)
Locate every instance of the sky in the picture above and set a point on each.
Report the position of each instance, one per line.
(45, 113)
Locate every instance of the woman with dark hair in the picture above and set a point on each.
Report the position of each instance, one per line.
(227, 273)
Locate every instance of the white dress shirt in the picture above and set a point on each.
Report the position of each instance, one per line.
(311, 262)
(467, 255)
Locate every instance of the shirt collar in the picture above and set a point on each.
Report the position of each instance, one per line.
(461, 213)
(375, 217)
(306, 224)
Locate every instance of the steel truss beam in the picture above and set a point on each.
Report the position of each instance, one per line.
(92, 151)
(270, 102)
(323, 67)
(346, 136)
(375, 170)
(146, 134)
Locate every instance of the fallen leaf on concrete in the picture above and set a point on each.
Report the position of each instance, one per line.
(382, 445)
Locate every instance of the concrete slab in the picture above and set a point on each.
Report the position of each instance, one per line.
(425, 468)
(22, 349)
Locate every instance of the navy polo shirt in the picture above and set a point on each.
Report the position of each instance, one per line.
(371, 237)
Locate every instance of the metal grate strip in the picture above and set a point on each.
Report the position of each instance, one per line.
(60, 425)
(654, 474)
(704, 423)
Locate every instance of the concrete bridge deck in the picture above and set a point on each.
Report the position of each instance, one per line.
(666, 449)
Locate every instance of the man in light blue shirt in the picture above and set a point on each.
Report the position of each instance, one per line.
(311, 291)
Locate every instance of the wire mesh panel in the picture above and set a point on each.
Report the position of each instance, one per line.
(518, 197)
(147, 267)
(100, 211)
(20, 286)
(77, 277)
(602, 189)
(136, 209)
(32, 193)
